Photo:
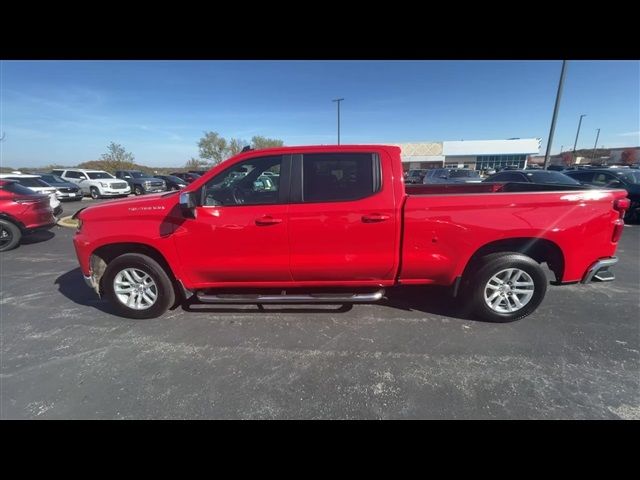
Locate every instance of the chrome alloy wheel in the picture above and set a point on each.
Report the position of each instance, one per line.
(135, 288)
(509, 290)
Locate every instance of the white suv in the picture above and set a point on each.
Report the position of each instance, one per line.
(96, 183)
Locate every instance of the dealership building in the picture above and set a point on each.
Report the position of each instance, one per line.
(473, 154)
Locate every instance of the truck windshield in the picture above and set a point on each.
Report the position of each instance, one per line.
(98, 175)
(138, 175)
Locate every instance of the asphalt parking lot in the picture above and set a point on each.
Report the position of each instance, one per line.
(65, 355)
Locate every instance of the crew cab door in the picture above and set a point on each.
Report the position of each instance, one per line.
(342, 219)
(239, 235)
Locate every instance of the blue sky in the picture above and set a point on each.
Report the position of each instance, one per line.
(68, 112)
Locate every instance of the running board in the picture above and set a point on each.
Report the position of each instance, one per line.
(293, 298)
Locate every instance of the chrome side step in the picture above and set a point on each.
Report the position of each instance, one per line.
(293, 298)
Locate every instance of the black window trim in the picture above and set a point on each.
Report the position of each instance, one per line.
(297, 187)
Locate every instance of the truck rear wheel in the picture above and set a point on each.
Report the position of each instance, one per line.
(10, 235)
(137, 286)
(506, 286)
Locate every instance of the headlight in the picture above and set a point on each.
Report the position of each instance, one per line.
(102, 184)
(79, 227)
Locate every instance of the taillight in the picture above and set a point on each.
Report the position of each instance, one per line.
(622, 205)
(618, 227)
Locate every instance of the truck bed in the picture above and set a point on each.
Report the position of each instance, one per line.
(443, 225)
(485, 187)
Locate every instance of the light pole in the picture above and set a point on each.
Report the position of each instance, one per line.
(595, 145)
(577, 134)
(338, 100)
(555, 114)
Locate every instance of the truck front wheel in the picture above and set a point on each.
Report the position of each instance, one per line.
(137, 286)
(506, 286)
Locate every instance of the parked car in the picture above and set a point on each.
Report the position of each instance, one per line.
(22, 211)
(64, 190)
(415, 176)
(172, 182)
(141, 182)
(330, 233)
(451, 175)
(96, 183)
(532, 176)
(629, 179)
(198, 172)
(186, 176)
(35, 183)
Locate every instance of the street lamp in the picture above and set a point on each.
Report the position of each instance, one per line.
(338, 100)
(555, 115)
(595, 145)
(577, 134)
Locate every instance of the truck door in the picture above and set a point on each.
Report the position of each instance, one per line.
(342, 219)
(240, 233)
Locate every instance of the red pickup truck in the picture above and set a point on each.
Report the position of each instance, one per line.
(337, 224)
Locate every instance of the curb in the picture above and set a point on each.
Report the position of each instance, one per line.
(68, 222)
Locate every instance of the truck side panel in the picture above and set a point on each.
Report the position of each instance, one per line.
(442, 232)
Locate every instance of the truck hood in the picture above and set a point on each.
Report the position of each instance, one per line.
(155, 202)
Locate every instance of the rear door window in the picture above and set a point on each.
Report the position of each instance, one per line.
(335, 177)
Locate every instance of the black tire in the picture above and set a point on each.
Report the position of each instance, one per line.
(10, 235)
(491, 265)
(165, 292)
(94, 192)
(138, 190)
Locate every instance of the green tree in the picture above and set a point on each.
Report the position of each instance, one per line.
(258, 142)
(212, 148)
(117, 153)
(195, 164)
(235, 146)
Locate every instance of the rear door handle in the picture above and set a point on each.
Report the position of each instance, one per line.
(267, 220)
(374, 217)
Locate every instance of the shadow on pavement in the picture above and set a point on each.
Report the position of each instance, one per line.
(430, 300)
(434, 300)
(72, 286)
(37, 237)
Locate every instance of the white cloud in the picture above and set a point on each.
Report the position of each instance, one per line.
(630, 134)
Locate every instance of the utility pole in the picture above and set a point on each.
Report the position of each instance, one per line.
(555, 114)
(577, 134)
(338, 100)
(595, 145)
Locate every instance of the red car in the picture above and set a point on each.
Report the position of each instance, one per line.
(336, 224)
(22, 211)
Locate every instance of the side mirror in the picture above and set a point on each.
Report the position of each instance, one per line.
(188, 204)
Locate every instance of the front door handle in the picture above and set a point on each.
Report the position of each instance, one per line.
(374, 217)
(267, 220)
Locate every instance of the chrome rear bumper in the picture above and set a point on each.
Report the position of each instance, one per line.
(600, 271)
